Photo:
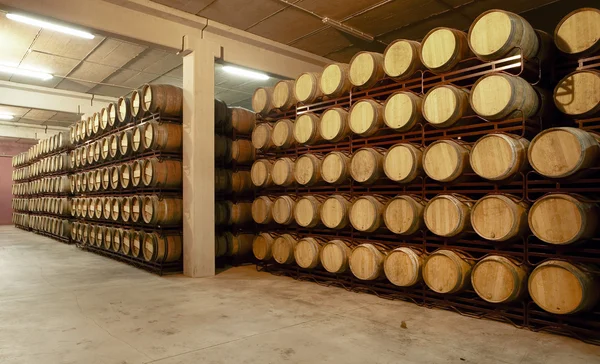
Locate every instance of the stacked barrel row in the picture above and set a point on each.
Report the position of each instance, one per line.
(51, 145)
(337, 170)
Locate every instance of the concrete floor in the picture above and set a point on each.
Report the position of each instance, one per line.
(62, 305)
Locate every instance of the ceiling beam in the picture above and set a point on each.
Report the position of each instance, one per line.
(37, 97)
(28, 131)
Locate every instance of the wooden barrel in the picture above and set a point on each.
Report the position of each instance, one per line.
(262, 246)
(124, 113)
(125, 140)
(283, 172)
(162, 173)
(366, 262)
(137, 140)
(108, 238)
(222, 212)
(164, 99)
(105, 178)
(563, 152)
(283, 209)
(223, 180)
(240, 213)
(242, 151)
(137, 111)
(283, 248)
(366, 165)
(578, 94)
(262, 209)
(74, 228)
(125, 212)
(307, 169)
(307, 211)
(401, 59)
(240, 244)
(335, 256)
(103, 118)
(283, 95)
(366, 213)
(499, 96)
(84, 182)
(223, 149)
(165, 137)
(241, 182)
(306, 129)
(242, 120)
(282, 136)
(262, 136)
(403, 110)
(366, 69)
(104, 149)
(334, 125)
(125, 176)
(500, 217)
(307, 252)
(162, 211)
(403, 266)
(403, 162)
(115, 177)
(578, 33)
(366, 117)
(106, 208)
(499, 279)
(448, 215)
(162, 248)
(403, 214)
(90, 153)
(136, 209)
(335, 168)
(137, 172)
(447, 271)
(561, 287)
(443, 48)
(261, 173)
(562, 219)
(445, 105)
(262, 100)
(111, 115)
(115, 208)
(335, 211)
(98, 207)
(92, 236)
(446, 160)
(306, 87)
(95, 123)
(222, 118)
(221, 244)
(114, 141)
(499, 156)
(335, 80)
(117, 240)
(100, 234)
(137, 242)
(97, 179)
(497, 34)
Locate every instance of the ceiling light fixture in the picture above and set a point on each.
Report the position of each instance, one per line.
(49, 26)
(6, 116)
(347, 29)
(44, 76)
(246, 73)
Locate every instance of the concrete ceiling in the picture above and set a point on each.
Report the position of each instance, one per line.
(39, 117)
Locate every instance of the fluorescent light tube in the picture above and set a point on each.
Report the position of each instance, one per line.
(49, 26)
(6, 116)
(246, 73)
(25, 72)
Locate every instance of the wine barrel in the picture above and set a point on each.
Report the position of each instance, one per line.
(162, 248)
(84, 182)
(98, 206)
(446, 160)
(91, 235)
(223, 180)
(162, 173)
(366, 69)
(95, 124)
(97, 179)
(283, 209)
(242, 151)
(307, 169)
(561, 287)
(104, 149)
(500, 217)
(240, 244)
(100, 233)
(111, 115)
(306, 129)
(366, 262)
(366, 117)
(162, 211)
(307, 211)
(403, 110)
(283, 95)
(334, 125)
(125, 147)
(108, 238)
(403, 214)
(221, 244)
(114, 141)
(262, 209)
(222, 118)
(115, 208)
(403, 162)
(262, 100)
(223, 149)
(241, 182)
(90, 153)
(306, 87)
(117, 242)
(401, 59)
(103, 117)
(283, 172)
(283, 248)
(105, 178)
(164, 99)
(335, 81)
(125, 175)
(136, 105)
(137, 242)
(563, 152)
(115, 177)
(262, 246)
(499, 96)
(335, 168)
(499, 279)
(74, 229)
(137, 140)
(578, 33)
(499, 156)
(164, 137)
(335, 256)
(497, 34)
(307, 252)
(222, 212)
(448, 215)
(443, 48)
(282, 136)
(261, 173)
(242, 120)
(124, 114)
(366, 213)
(240, 213)
(445, 105)
(335, 211)
(578, 94)
(106, 208)
(562, 219)
(262, 137)
(447, 271)
(136, 209)
(125, 212)
(404, 266)
(366, 165)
